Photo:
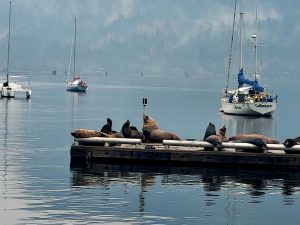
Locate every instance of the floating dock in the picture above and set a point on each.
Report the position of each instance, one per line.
(184, 153)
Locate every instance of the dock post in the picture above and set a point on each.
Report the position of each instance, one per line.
(145, 103)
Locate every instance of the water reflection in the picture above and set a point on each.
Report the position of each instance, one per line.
(74, 101)
(4, 152)
(10, 125)
(253, 183)
(247, 124)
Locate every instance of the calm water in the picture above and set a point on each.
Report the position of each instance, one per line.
(39, 186)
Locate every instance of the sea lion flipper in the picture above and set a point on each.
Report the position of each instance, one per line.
(210, 130)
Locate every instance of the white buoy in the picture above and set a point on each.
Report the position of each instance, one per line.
(145, 103)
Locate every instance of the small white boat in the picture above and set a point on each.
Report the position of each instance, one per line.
(9, 89)
(74, 82)
(249, 98)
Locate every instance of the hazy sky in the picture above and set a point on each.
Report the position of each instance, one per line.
(154, 36)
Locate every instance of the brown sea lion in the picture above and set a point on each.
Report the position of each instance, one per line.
(266, 139)
(210, 130)
(85, 133)
(222, 134)
(153, 133)
(131, 131)
(215, 140)
(291, 142)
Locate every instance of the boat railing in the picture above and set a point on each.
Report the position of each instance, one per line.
(263, 97)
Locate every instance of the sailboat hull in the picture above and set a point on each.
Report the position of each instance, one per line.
(249, 108)
(75, 87)
(11, 90)
(7, 93)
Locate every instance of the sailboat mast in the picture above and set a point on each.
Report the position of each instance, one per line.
(255, 47)
(231, 45)
(74, 48)
(8, 44)
(241, 34)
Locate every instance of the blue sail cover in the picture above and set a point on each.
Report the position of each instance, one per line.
(254, 83)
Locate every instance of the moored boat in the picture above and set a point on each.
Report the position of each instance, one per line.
(250, 98)
(9, 89)
(75, 83)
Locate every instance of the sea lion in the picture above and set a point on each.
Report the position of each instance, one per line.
(258, 142)
(86, 133)
(222, 134)
(107, 131)
(210, 130)
(266, 139)
(291, 142)
(153, 133)
(107, 128)
(131, 131)
(215, 140)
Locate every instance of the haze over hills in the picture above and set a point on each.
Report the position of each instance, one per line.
(162, 37)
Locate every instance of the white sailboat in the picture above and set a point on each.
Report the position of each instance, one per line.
(9, 89)
(249, 98)
(74, 82)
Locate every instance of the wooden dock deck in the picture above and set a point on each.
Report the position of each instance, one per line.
(185, 153)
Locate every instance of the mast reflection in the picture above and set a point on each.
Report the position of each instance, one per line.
(10, 108)
(4, 152)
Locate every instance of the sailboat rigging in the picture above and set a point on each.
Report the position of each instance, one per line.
(9, 89)
(74, 84)
(250, 98)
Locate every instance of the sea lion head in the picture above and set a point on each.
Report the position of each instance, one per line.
(215, 140)
(146, 118)
(264, 147)
(289, 143)
(149, 123)
(109, 121)
(222, 130)
(222, 134)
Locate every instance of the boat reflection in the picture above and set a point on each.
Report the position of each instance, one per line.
(11, 126)
(74, 100)
(247, 124)
(255, 183)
